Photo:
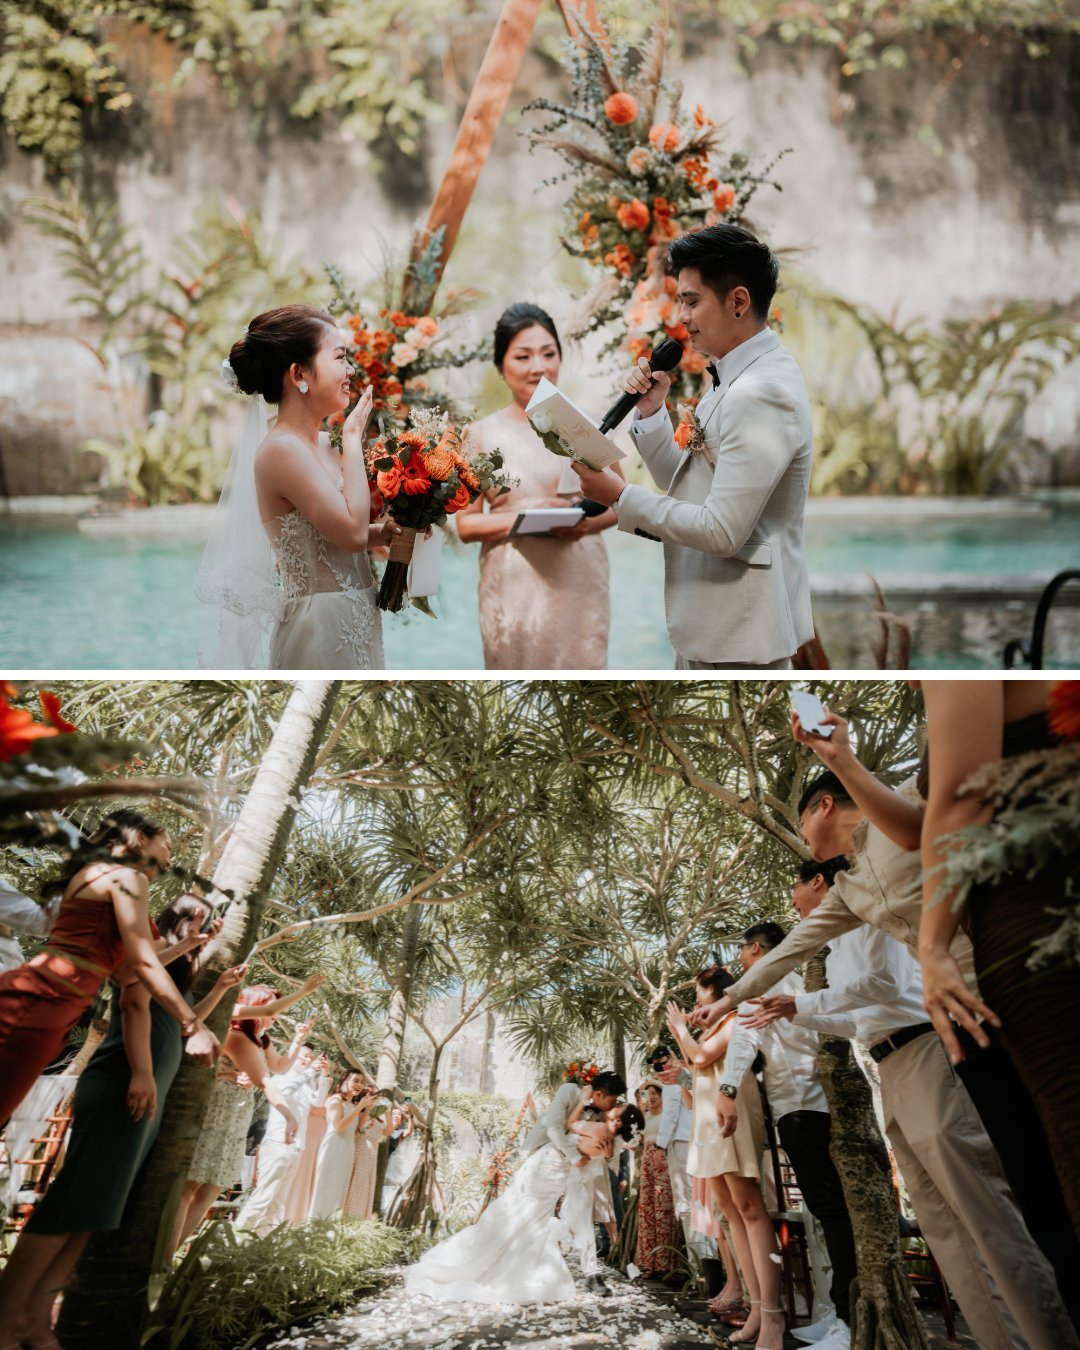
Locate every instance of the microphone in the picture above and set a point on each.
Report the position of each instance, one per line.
(666, 356)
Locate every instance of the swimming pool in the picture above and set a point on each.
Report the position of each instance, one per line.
(70, 600)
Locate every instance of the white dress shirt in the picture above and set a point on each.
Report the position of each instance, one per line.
(875, 989)
(791, 1076)
(302, 1089)
(674, 1117)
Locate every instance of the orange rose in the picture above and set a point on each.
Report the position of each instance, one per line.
(724, 197)
(414, 478)
(633, 215)
(1064, 710)
(621, 109)
(683, 432)
(389, 481)
(678, 331)
(378, 505)
(392, 388)
(427, 326)
(665, 136)
(459, 501)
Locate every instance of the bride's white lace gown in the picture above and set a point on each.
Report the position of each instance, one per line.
(511, 1254)
(329, 619)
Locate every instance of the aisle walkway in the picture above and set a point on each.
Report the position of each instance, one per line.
(632, 1319)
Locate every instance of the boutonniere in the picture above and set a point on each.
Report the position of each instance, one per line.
(690, 435)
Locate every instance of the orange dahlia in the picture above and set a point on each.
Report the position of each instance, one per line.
(633, 215)
(1065, 709)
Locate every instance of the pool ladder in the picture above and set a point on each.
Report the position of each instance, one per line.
(1031, 653)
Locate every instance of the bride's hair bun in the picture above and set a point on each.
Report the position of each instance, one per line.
(272, 343)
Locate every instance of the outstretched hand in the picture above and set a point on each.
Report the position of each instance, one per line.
(769, 1009)
(710, 1013)
(947, 998)
(829, 749)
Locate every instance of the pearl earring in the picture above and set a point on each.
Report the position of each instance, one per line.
(303, 386)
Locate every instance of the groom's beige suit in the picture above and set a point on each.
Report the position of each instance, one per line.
(736, 588)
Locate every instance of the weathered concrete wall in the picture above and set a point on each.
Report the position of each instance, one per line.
(877, 211)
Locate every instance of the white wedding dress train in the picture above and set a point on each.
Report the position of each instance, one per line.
(511, 1254)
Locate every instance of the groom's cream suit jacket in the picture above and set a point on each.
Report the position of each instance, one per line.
(736, 587)
(551, 1127)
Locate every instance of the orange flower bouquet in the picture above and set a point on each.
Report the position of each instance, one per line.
(422, 473)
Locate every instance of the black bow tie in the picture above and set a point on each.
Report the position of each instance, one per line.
(711, 368)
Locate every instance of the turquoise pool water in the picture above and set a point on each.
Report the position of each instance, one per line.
(71, 601)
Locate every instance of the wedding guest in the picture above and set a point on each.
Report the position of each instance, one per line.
(799, 1107)
(116, 1112)
(303, 1086)
(20, 914)
(248, 1061)
(104, 919)
(360, 1195)
(303, 1187)
(730, 508)
(543, 598)
(290, 489)
(404, 1153)
(346, 1111)
(659, 1234)
(967, 1211)
(733, 1165)
(972, 724)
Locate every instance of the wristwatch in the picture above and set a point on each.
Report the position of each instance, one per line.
(729, 1091)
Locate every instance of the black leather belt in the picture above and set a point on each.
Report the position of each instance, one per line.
(884, 1048)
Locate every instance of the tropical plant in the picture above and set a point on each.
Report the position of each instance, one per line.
(232, 1288)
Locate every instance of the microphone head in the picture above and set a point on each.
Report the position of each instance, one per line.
(666, 355)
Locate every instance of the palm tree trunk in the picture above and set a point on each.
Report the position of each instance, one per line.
(106, 1300)
(883, 1316)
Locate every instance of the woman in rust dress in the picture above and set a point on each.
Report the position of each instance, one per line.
(104, 917)
(659, 1241)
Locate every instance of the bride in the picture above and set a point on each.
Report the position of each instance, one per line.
(511, 1254)
(288, 490)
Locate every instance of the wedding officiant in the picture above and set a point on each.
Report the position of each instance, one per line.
(543, 597)
(736, 589)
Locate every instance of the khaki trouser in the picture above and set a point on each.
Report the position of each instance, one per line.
(265, 1206)
(1004, 1285)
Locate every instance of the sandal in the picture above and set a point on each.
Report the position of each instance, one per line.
(746, 1340)
(779, 1312)
(733, 1311)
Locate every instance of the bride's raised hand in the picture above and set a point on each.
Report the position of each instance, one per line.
(352, 433)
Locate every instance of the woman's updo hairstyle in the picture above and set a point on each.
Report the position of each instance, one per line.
(515, 320)
(273, 342)
(717, 979)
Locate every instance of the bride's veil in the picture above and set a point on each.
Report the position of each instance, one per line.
(236, 576)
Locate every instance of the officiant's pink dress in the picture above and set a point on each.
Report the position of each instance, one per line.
(543, 601)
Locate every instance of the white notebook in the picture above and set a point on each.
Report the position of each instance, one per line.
(544, 519)
(576, 430)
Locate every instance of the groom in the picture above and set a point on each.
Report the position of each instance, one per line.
(736, 589)
(550, 1132)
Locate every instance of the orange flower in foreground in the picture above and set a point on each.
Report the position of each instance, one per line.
(414, 478)
(683, 432)
(459, 501)
(633, 215)
(665, 136)
(621, 109)
(50, 706)
(724, 197)
(1065, 710)
(18, 730)
(378, 505)
(389, 481)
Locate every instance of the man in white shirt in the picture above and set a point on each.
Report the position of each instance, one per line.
(801, 1111)
(20, 914)
(1003, 1283)
(673, 1136)
(736, 587)
(304, 1086)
